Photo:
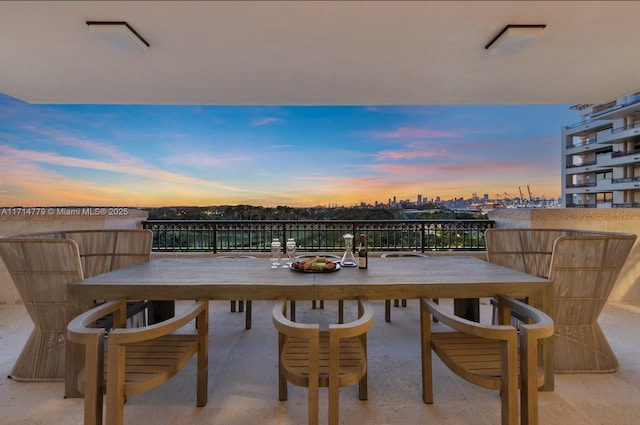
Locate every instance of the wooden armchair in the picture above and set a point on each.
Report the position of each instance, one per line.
(137, 359)
(498, 357)
(309, 357)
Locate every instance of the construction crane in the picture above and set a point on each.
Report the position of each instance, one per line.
(530, 196)
(522, 200)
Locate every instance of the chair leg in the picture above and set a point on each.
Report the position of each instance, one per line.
(334, 405)
(396, 303)
(427, 366)
(240, 306)
(387, 310)
(437, 301)
(404, 303)
(233, 306)
(292, 311)
(363, 391)
(202, 384)
(247, 319)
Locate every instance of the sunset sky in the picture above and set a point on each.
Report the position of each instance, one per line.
(145, 156)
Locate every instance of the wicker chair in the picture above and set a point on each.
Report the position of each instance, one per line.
(102, 251)
(41, 264)
(498, 357)
(312, 358)
(41, 270)
(584, 270)
(137, 359)
(583, 266)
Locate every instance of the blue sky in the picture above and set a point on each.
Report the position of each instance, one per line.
(145, 156)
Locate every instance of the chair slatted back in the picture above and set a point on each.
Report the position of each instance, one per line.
(41, 270)
(102, 251)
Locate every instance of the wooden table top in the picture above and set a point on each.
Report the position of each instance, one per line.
(252, 278)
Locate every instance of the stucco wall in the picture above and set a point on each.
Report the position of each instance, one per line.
(15, 221)
(625, 220)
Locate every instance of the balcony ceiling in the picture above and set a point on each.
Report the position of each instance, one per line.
(319, 52)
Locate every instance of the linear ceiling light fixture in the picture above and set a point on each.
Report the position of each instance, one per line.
(118, 35)
(514, 39)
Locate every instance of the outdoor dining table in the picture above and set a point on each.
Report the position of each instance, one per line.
(254, 279)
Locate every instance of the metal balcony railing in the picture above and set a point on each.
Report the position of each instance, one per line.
(583, 164)
(626, 205)
(581, 143)
(578, 124)
(623, 153)
(585, 184)
(625, 180)
(317, 236)
(591, 205)
(615, 107)
(626, 127)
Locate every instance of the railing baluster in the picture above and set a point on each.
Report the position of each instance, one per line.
(382, 235)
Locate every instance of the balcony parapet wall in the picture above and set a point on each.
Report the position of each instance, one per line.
(627, 220)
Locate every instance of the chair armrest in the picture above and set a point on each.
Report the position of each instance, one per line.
(497, 332)
(288, 327)
(81, 329)
(542, 326)
(357, 327)
(133, 335)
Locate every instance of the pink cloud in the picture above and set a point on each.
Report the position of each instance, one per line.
(152, 173)
(206, 160)
(399, 168)
(412, 152)
(413, 133)
(444, 170)
(98, 149)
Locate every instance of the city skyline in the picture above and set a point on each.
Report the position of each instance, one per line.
(150, 156)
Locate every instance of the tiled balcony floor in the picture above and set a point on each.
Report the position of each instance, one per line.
(243, 381)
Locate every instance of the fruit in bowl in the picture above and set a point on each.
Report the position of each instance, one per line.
(317, 264)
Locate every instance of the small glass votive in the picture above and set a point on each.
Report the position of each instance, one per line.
(275, 253)
(291, 251)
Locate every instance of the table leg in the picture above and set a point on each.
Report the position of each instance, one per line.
(468, 308)
(160, 311)
(74, 353)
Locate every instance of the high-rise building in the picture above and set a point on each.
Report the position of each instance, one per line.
(601, 156)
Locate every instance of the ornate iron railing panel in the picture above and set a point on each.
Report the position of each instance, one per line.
(316, 236)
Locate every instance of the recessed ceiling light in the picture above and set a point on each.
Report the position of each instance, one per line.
(513, 39)
(118, 35)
